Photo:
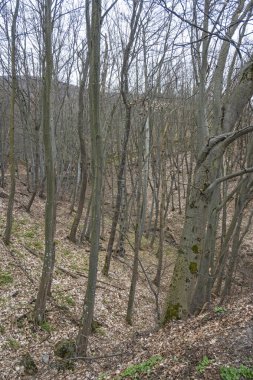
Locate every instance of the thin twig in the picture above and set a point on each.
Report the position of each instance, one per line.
(99, 357)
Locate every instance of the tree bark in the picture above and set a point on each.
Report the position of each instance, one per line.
(9, 217)
(48, 138)
(97, 169)
(137, 7)
(83, 185)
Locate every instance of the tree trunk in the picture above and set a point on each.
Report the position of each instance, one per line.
(9, 217)
(193, 237)
(36, 168)
(137, 7)
(83, 186)
(138, 234)
(48, 137)
(97, 168)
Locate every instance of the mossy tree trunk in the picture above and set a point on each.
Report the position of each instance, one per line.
(186, 292)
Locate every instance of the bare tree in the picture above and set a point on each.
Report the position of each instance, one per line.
(136, 12)
(187, 282)
(83, 153)
(97, 173)
(9, 219)
(49, 146)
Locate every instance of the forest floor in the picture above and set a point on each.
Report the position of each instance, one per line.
(199, 348)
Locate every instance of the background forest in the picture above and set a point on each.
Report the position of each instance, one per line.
(126, 157)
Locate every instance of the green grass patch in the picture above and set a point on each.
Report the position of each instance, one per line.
(102, 376)
(64, 300)
(133, 371)
(3, 301)
(82, 265)
(219, 310)
(15, 226)
(145, 243)
(205, 362)
(69, 300)
(233, 373)
(101, 331)
(46, 326)
(29, 234)
(66, 252)
(5, 278)
(38, 245)
(23, 222)
(13, 344)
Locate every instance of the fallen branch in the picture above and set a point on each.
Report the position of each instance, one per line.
(99, 357)
(69, 273)
(100, 281)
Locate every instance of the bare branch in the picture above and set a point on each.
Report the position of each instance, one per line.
(212, 186)
(108, 10)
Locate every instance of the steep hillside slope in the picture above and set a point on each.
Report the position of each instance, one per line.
(194, 349)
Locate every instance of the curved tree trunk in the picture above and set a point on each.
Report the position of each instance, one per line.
(187, 268)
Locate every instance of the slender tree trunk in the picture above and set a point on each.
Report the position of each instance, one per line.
(157, 279)
(97, 168)
(85, 235)
(137, 7)
(36, 168)
(137, 242)
(9, 217)
(2, 150)
(48, 136)
(83, 186)
(120, 181)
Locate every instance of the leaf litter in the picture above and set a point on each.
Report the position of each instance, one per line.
(224, 338)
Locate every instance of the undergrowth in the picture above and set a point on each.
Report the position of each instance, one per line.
(133, 371)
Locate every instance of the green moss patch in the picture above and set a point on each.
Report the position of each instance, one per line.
(2, 329)
(65, 349)
(29, 365)
(172, 312)
(5, 278)
(193, 267)
(195, 248)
